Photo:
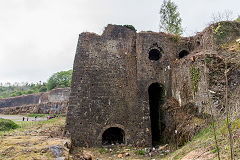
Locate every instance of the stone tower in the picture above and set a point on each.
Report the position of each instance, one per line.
(122, 79)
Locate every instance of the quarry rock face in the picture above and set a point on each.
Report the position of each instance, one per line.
(144, 88)
(53, 102)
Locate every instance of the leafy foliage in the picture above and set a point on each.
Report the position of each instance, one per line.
(6, 125)
(17, 89)
(130, 27)
(225, 32)
(170, 20)
(60, 79)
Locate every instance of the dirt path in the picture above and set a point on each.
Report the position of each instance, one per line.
(20, 118)
(199, 154)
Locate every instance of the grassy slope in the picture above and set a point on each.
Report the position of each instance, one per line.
(32, 139)
(203, 144)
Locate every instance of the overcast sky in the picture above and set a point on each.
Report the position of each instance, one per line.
(39, 37)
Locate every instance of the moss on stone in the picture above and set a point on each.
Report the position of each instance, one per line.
(195, 78)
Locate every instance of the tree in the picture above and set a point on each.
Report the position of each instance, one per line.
(43, 89)
(226, 15)
(170, 20)
(60, 79)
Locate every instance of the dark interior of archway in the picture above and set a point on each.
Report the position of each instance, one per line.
(114, 136)
(156, 99)
(154, 54)
(183, 53)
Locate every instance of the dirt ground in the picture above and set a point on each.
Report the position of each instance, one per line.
(34, 140)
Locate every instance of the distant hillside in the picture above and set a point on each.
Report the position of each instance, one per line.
(60, 79)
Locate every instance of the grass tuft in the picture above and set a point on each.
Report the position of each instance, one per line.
(37, 115)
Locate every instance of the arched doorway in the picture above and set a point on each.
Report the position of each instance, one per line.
(156, 99)
(113, 135)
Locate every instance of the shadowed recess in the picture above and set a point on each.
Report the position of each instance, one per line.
(154, 54)
(114, 136)
(156, 99)
(183, 53)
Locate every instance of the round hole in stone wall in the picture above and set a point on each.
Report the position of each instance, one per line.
(154, 54)
(183, 53)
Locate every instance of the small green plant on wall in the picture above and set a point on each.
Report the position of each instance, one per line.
(195, 78)
(218, 33)
(176, 38)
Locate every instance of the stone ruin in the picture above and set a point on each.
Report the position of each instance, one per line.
(140, 88)
(53, 102)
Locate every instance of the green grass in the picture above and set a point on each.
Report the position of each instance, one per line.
(203, 133)
(140, 152)
(103, 150)
(27, 125)
(204, 140)
(38, 115)
(6, 125)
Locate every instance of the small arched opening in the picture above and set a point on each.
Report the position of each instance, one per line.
(156, 94)
(113, 136)
(183, 53)
(154, 54)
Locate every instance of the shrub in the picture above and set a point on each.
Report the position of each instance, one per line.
(6, 125)
(43, 89)
(130, 27)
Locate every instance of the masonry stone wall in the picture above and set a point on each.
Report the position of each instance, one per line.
(20, 100)
(104, 87)
(139, 82)
(54, 102)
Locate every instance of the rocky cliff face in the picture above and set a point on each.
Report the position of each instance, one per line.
(54, 102)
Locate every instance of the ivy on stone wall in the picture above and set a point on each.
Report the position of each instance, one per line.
(195, 78)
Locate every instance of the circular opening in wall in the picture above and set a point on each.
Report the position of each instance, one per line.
(183, 53)
(154, 54)
(113, 136)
